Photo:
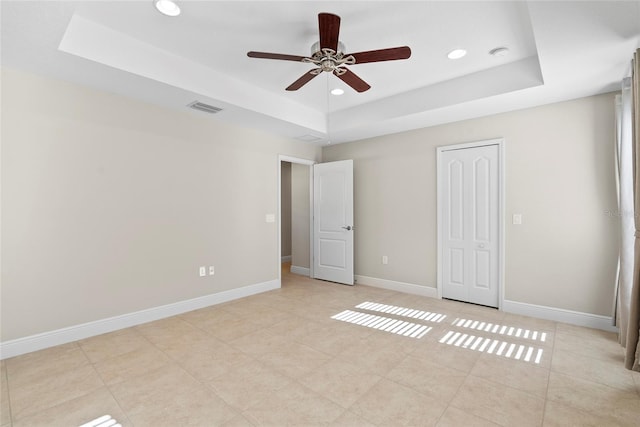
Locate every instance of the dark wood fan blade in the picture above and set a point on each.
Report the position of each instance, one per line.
(306, 78)
(390, 54)
(329, 26)
(266, 55)
(354, 81)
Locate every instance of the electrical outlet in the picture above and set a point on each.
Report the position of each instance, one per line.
(385, 259)
(212, 271)
(203, 271)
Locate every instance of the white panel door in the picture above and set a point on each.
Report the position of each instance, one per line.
(469, 209)
(333, 221)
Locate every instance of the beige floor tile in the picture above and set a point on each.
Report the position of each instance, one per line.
(112, 344)
(198, 408)
(132, 364)
(182, 346)
(594, 398)
(248, 384)
(517, 374)
(314, 312)
(610, 373)
(207, 365)
(170, 396)
(5, 409)
(502, 405)
(604, 348)
(373, 292)
(340, 381)
(37, 366)
(409, 301)
(166, 329)
(375, 353)
(478, 312)
(278, 358)
(349, 419)
(293, 327)
(447, 355)
(154, 389)
(77, 411)
(330, 338)
(258, 314)
(392, 404)
(529, 322)
(207, 317)
(294, 405)
(559, 415)
(431, 379)
(258, 343)
(238, 421)
(51, 390)
(565, 328)
(454, 417)
(293, 359)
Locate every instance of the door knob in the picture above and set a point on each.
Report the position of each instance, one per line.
(481, 245)
(348, 228)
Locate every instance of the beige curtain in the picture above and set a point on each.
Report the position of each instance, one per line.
(624, 171)
(632, 355)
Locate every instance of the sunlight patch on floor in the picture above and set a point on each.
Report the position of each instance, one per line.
(103, 421)
(514, 351)
(402, 311)
(387, 324)
(493, 328)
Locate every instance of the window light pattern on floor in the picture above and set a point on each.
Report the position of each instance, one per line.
(402, 311)
(387, 324)
(492, 346)
(103, 421)
(501, 329)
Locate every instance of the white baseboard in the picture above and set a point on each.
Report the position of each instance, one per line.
(407, 288)
(286, 258)
(73, 333)
(560, 315)
(303, 271)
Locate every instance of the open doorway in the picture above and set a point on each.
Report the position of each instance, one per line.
(295, 237)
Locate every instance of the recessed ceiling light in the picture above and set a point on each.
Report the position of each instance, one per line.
(499, 51)
(456, 54)
(167, 7)
(337, 91)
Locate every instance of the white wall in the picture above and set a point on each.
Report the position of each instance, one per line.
(285, 209)
(559, 175)
(110, 205)
(300, 217)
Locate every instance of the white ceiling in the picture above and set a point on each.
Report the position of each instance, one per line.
(558, 51)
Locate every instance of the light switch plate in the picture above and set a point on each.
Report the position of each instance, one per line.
(517, 219)
(203, 271)
(270, 218)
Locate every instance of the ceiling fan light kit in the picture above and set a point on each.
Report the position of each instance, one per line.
(167, 7)
(457, 54)
(329, 56)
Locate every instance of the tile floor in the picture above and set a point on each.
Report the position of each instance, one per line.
(279, 359)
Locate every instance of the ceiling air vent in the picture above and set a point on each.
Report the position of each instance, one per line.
(201, 106)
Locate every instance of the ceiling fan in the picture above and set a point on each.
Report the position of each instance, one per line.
(328, 54)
